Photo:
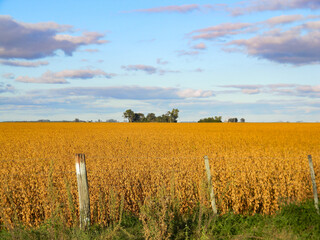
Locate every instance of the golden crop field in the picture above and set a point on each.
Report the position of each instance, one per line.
(255, 166)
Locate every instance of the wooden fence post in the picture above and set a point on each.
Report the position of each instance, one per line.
(212, 198)
(314, 185)
(83, 191)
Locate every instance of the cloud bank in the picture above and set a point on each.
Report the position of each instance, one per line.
(128, 92)
(39, 40)
(271, 39)
(292, 46)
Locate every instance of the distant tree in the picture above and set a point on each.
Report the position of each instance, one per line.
(160, 118)
(166, 117)
(111, 120)
(138, 117)
(44, 120)
(129, 114)
(151, 117)
(173, 115)
(233, 120)
(211, 119)
(77, 120)
(170, 116)
(218, 119)
(142, 117)
(242, 120)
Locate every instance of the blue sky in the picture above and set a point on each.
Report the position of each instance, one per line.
(62, 60)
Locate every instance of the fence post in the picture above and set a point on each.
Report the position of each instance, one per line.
(314, 185)
(83, 191)
(212, 198)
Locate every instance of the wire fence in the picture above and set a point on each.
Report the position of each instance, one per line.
(116, 177)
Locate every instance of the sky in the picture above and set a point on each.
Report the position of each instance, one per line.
(254, 59)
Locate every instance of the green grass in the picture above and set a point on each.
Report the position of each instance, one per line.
(293, 221)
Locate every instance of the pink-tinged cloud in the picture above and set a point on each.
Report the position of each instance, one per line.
(62, 76)
(315, 25)
(251, 91)
(90, 50)
(221, 30)
(272, 5)
(293, 46)
(308, 88)
(86, 39)
(83, 74)
(283, 19)
(200, 46)
(48, 78)
(176, 8)
(312, 91)
(23, 64)
(8, 75)
(39, 40)
(140, 67)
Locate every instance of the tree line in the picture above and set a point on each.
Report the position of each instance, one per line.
(211, 119)
(170, 116)
(219, 119)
